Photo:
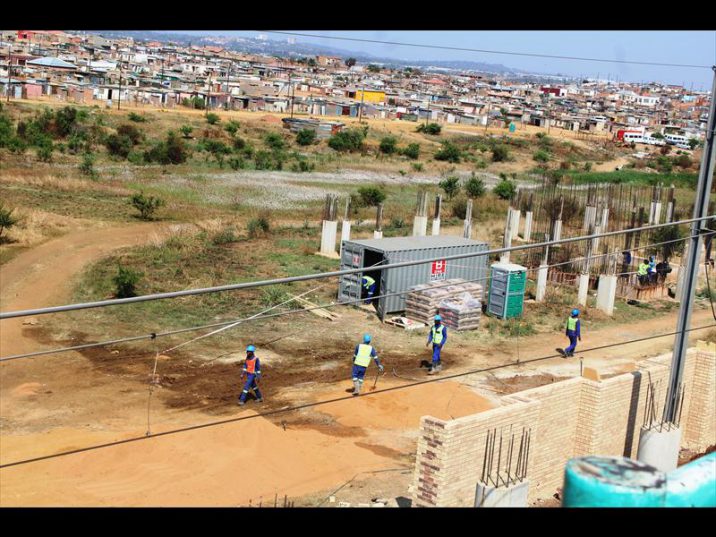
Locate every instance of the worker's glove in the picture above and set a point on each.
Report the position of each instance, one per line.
(381, 368)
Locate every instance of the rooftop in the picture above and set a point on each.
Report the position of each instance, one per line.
(417, 243)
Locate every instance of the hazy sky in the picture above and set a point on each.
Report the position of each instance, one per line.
(684, 47)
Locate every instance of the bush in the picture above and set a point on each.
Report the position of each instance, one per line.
(212, 119)
(450, 185)
(136, 118)
(173, 151)
(664, 164)
(412, 151)
(693, 143)
(448, 152)
(131, 132)
(397, 223)
(237, 163)
(474, 187)
(65, 120)
(258, 226)
(541, 156)
(302, 165)
(216, 148)
(118, 145)
(417, 166)
(587, 166)
(683, 161)
(665, 234)
(16, 145)
(6, 133)
(146, 205)
(238, 143)
(275, 141)
(232, 127)
(86, 167)
(44, 152)
(458, 207)
(370, 196)
(274, 295)
(194, 102)
(388, 145)
(78, 142)
(305, 137)
(225, 236)
(186, 130)
(429, 128)
(505, 189)
(7, 220)
(500, 153)
(126, 282)
(347, 140)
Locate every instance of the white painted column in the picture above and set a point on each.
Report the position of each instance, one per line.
(595, 242)
(436, 226)
(420, 226)
(516, 214)
(541, 282)
(377, 234)
(605, 218)
(557, 230)
(606, 292)
(583, 289)
(670, 211)
(328, 237)
(657, 212)
(651, 212)
(528, 226)
(507, 240)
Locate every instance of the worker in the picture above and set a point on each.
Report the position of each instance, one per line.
(643, 272)
(652, 269)
(573, 333)
(252, 372)
(437, 336)
(369, 288)
(361, 360)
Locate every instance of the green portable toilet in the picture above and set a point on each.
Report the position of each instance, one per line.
(507, 290)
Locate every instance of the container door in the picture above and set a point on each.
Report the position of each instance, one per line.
(350, 286)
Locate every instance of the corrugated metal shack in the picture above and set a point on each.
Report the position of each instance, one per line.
(323, 129)
(380, 252)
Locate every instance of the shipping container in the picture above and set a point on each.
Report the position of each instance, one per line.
(381, 252)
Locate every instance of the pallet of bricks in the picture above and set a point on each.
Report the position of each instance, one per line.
(447, 297)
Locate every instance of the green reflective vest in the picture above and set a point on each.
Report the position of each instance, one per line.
(437, 334)
(643, 269)
(572, 323)
(368, 282)
(363, 357)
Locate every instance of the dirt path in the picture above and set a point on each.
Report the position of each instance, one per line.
(611, 165)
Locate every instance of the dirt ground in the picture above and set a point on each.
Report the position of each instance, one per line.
(63, 402)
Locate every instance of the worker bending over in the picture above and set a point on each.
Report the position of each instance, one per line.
(361, 360)
(437, 336)
(573, 333)
(643, 272)
(252, 372)
(368, 288)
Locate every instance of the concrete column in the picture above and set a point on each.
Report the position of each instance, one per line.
(605, 219)
(516, 214)
(346, 230)
(377, 234)
(657, 212)
(590, 216)
(528, 226)
(514, 495)
(583, 289)
(328, 237)
(670, 211)
(541, 283)
(557, 230)
(436, 226)
(420, 226)
(507, 239)
(606, 293)
(467, 228)
(660, 448)
(595, 242)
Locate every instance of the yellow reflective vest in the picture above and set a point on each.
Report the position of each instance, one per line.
(437, 334)
(362, 358)
(572, 323)
(643, 269)
(368, 282)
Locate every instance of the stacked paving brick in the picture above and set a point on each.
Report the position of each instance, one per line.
(423, 301)
(461, 313)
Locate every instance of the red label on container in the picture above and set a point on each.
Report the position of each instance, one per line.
(437, 270)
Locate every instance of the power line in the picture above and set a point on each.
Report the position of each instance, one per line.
(485, 51)
(318, 276)
(328, 401)
(153, 335)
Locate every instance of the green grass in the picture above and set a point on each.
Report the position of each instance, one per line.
(681, 179)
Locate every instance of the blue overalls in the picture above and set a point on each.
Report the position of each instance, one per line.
(361, 360)
(572, 333)
(252, 370)
(437, 336)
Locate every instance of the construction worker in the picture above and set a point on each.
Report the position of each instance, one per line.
(643, 272)
(573, 332)
(369, 288)
(652, 269)
(361, 360)
(437, 336)
(252, 372)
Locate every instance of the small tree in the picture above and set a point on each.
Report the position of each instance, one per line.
(118, 145)
(305, 137)
(372, 68)
(388, 145)
(449, 152)
(666, 234)
(146, 205)
(693, 143)
(474, 187)
(350, 62)
(347, 140)
(7, 220)
(450, 185)
(505, 189)
(371, 196)
(87, 165)
(212, 118)
(412, 151)
(429, 128)
(126, 282)
(186, 130)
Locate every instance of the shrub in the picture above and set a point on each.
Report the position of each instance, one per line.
(587, 166)
(86, 167)
(136, 118)
(78, 143)
(275, 141)
(274, 295)
(218, 149)
(417, 166)
(693, 143)
(126, 282)
(500, 153)
(225, 236)
(397, 223)
(664, 164)
(458, 207)
(370, 196)
(302, 165)
(305, 137)
(17, 145)
(176, 151)
(6, 133)
(448, 152)
(238, 143)
(195, 102)
(565, 165)
(232, 127)
(388, 145)
(347, 140)
(666, 234)
(65, 120)
(541, 156)
(212, 119)
(44, 152)
(429, 128)
(186, 130)
(450, 185)
(237, 163)
(412, 151)
(146, 205)
(505, 189)
(131, 132)
(258, 226)
(474, 187)
(683, 161)
(7, 220)
(118, 145)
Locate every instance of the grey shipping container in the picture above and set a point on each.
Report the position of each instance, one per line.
(381, 252)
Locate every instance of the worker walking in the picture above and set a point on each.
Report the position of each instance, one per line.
(368, 288)
(437, 336)
(643, 272)
(573, 333)
(252, 372)
(361, 360)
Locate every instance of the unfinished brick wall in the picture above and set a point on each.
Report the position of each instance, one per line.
(568, 419)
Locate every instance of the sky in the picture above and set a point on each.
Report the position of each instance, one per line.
(682, 47)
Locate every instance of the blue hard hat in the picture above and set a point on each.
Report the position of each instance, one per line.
(250, 348)
(438, 318)
(366, 338)
(575, 312)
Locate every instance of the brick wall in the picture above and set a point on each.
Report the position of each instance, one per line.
(567, 419)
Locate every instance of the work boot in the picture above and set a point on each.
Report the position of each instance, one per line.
(260, 400)
(432, 370)
(241, 403)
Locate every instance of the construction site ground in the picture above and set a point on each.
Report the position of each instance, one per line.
(354, 449)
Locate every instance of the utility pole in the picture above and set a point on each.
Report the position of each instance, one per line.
(289, 91)
(119, 94)
(228, 96)
(428, 114)
(208, 97)
(9, 72)
(161, 83)
(701, 208)
(360, 110)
